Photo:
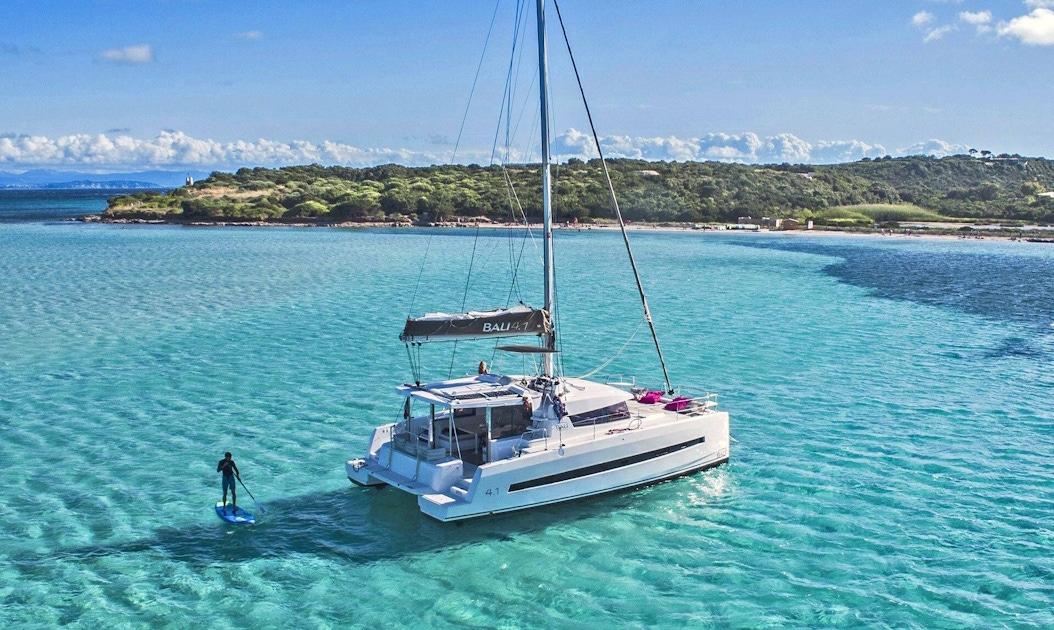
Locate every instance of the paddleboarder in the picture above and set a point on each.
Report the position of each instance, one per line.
(230, 472)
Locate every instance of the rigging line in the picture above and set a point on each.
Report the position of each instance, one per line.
(472, 91)
(558, 343)
(515, 63)
(527, 99)
(614, 203)
(512, 95)
(527, 234)
(413, 366)
(464, 297)
(471, 262)
(557, 325)
(506, 101)
(513, 270)
(620, 350)
(421, 273)
(453, 354)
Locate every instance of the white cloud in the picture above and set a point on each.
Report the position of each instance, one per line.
(744, 148)
(937, 33)
(176, 150)
(980, 19)
(142, 53)
(1034, 29)
(938, 148)
(1040, 4)
(251, 35)
(977, 19)
(922, 18)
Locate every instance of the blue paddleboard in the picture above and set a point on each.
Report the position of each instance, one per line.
(237, 516)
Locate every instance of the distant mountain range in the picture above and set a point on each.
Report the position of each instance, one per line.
(70, 180)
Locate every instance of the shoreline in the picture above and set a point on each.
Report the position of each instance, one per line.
(1036, 234)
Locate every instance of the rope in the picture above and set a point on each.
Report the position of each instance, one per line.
(415, 365)
(612, 359)
(471, 92)
(420, 273)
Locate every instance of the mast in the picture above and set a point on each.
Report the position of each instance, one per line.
(547, 185)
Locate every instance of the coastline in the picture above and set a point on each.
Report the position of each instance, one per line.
(1040, 234)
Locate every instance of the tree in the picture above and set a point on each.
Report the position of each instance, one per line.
(1031, 189)
(307, 210)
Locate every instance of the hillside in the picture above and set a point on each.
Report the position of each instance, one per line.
(921, 188)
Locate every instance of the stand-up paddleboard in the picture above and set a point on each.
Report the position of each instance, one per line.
(235, 516)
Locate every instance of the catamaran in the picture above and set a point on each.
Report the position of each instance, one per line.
(492, 443)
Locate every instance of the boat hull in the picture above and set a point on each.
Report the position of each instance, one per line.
(550, 473)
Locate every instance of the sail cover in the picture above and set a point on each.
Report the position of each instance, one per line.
(504, 322)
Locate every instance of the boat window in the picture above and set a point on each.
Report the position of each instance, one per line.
(508, 421)
(611, 413)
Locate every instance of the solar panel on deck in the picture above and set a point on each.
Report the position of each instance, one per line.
(497, 394)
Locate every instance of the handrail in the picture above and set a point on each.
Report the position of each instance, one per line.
(523, 438)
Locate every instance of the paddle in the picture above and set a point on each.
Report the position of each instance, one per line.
(258, 506)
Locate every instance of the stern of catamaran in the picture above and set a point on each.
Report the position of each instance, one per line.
(448, 429)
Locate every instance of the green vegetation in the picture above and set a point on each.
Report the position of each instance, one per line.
(861, 193)
(868, 214)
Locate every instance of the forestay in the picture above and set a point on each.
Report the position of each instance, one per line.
(505, 322)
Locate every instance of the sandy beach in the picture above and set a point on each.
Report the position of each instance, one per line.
(977, 232)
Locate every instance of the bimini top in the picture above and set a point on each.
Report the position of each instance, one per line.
(503, 322)
(484, 390)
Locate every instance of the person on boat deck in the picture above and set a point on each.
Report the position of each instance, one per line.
(528, 409)
(559, 408)
(483, 368)
(230, 471)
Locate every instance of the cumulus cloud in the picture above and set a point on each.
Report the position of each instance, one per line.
(1034, 29)
(1040, 4)
(922, 18)
(142, 53)
(744, 148)
(980, 19)
(176, 150)
(937, 33)
(938, 148)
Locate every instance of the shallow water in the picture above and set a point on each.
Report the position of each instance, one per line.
(890, 398)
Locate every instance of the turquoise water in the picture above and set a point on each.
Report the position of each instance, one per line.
(891, 399)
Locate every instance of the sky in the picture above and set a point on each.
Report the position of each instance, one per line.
(114, 85)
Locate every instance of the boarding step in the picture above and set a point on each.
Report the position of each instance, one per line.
(401, 482)
(440, 499)
(459, 492)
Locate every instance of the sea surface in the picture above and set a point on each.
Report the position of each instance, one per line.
(892, 402)
(53, 205)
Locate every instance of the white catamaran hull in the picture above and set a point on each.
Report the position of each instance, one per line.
(543, 473)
